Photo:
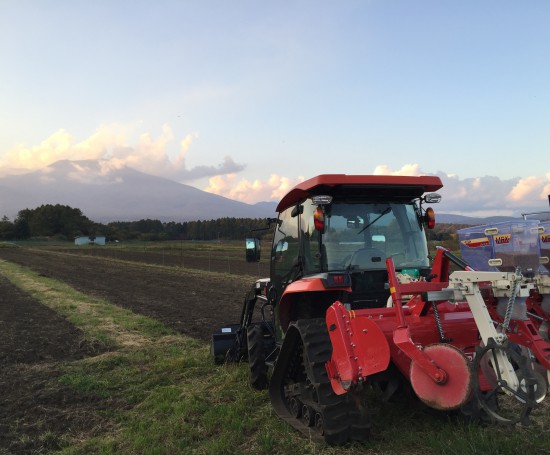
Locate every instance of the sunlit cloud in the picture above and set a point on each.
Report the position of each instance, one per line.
(111, 147)
(251, 191)
(526, 187)
(479, 196)
(407, 169)
(484, 196)
(546, 189)
(111, 144)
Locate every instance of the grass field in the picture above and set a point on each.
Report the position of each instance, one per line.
(163, 395)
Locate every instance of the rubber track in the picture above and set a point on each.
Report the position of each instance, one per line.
(303, 355)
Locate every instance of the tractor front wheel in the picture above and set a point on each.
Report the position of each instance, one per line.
(256, 357)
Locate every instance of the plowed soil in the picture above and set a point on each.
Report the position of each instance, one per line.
(191, 303)
(33, 338)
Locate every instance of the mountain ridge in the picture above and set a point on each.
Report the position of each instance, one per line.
(105, 193)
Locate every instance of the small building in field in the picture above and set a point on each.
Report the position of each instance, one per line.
(89, 240)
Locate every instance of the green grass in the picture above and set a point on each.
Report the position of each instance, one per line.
(166, 397)
(8, 245)
(231, 248)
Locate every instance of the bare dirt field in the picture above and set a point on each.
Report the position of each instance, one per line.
(33, 339)
(193, 304)
(33, 336)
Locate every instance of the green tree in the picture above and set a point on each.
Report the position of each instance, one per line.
(56, 220)
(6, 228)
(21, 229)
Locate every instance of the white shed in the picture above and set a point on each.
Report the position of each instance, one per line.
(91, 240)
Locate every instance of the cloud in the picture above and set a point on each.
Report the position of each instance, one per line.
(407, 169)
(487, 195)
(165, 155)
(475, 196)
(526, 187)
(228, 166)
(110, 142)
(251, 191)
(484, 196)
(479, 196)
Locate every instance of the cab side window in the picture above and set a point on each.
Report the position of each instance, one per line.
(285, 246)
(312, 257)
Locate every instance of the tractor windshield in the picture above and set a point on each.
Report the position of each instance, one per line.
(360, 236)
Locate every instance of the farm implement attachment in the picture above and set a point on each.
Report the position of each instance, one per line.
(450, 341)
(354, 303)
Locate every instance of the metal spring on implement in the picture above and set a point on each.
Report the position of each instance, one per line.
(438, 323)
(511, 300)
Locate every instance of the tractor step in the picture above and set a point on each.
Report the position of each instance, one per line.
(222, 341)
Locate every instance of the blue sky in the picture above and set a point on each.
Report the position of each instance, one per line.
(245, 98)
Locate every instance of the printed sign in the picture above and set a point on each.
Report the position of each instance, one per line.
(502, 239)
(476, 243)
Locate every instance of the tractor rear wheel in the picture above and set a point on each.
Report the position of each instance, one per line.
(256, 356)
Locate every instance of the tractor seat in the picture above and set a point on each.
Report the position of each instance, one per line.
(368, 258)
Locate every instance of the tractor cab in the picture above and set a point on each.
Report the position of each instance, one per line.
(338, 235)
(352, 229)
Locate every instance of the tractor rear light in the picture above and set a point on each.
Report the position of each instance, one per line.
(319, 219)
(337, 280)
(429, 218)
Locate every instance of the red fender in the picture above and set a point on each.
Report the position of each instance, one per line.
(359, 348)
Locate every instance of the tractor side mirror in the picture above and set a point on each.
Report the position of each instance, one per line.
(253, 249)
(432, 198)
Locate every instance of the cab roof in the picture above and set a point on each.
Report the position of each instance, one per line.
(379, 186)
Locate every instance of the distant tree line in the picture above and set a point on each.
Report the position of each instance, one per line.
(444, 232)
(219, 229)
(445, 235)
(65, 223)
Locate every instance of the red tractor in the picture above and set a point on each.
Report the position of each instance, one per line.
(354, 300)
